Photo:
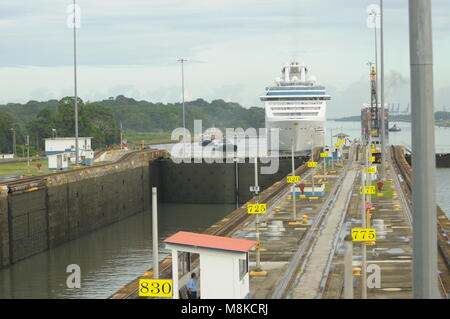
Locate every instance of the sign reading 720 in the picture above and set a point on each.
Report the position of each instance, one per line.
(256, 208)
(155, 288)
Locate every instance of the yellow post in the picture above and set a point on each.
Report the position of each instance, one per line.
(305, 219)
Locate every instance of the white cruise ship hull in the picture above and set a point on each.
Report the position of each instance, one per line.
(305, 135)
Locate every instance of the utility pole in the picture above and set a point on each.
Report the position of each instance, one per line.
(155, 233)
(293, 174)
(28, 152)
(312, 160)
(363, 226)
(383, 129)
(121, 136)
(423, 151)
(332, 147)
(14, 141)
(75, 82)
(182, 60)
(258, 253)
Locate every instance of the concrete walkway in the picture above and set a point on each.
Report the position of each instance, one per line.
(308, 286)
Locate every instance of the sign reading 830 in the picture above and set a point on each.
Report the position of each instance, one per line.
(155, 288)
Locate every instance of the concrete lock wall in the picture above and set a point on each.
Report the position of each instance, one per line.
(4, 227)
(70, 204)
(214, 183)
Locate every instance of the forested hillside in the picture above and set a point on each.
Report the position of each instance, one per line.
(101, 119)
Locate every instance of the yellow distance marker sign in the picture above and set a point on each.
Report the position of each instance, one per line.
(371, 170)
(369, 190)
(293, 179)
(323, 154)
(361, 234)
(312, 164)
(256, 209)
(155, 288)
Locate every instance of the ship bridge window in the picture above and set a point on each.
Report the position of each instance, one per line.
(297, 114)
(280, 108)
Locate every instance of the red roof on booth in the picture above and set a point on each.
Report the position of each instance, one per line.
(210, 241)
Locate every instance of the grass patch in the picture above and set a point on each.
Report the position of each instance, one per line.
(148, 137)
(22, 168)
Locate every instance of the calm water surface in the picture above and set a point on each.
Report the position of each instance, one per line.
(113, 256)
(109, 257)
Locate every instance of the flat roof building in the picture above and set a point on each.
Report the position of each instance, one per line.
(223, 264)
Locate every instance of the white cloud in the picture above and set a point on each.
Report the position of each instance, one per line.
(235, 48)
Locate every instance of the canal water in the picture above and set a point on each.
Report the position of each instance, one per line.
(112, 256)
(109, 258)
(442, 141)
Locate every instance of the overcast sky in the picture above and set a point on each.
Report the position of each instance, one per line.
(235, 48)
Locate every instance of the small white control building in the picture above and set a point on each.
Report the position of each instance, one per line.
(59, 161)
(60, 145)
(223, 264)
(6, 156)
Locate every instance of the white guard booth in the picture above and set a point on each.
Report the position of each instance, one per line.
(223, 264)
(59, 161)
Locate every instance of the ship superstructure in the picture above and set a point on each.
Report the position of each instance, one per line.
(296, 106)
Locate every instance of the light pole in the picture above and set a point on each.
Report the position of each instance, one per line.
(54, 133)
(121, 136)
(425, 269)
(383, 131)
(312, 160)
(258, 253)
(14, 141)
(293, 174)
(182, 60)
(75, 82)
(28, 152)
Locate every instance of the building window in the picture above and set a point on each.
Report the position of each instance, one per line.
(243, 267)
(184, 263)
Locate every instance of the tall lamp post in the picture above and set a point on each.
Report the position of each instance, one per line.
(383, 130)
(75, 82)
(425, 269)
(182, 60)
(14, 141)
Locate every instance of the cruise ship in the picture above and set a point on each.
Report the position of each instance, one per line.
(296, 106)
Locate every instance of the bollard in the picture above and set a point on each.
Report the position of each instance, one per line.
(305, 219)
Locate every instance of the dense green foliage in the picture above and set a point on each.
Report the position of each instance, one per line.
(101, 119)
(8, 123)
(143, 116)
